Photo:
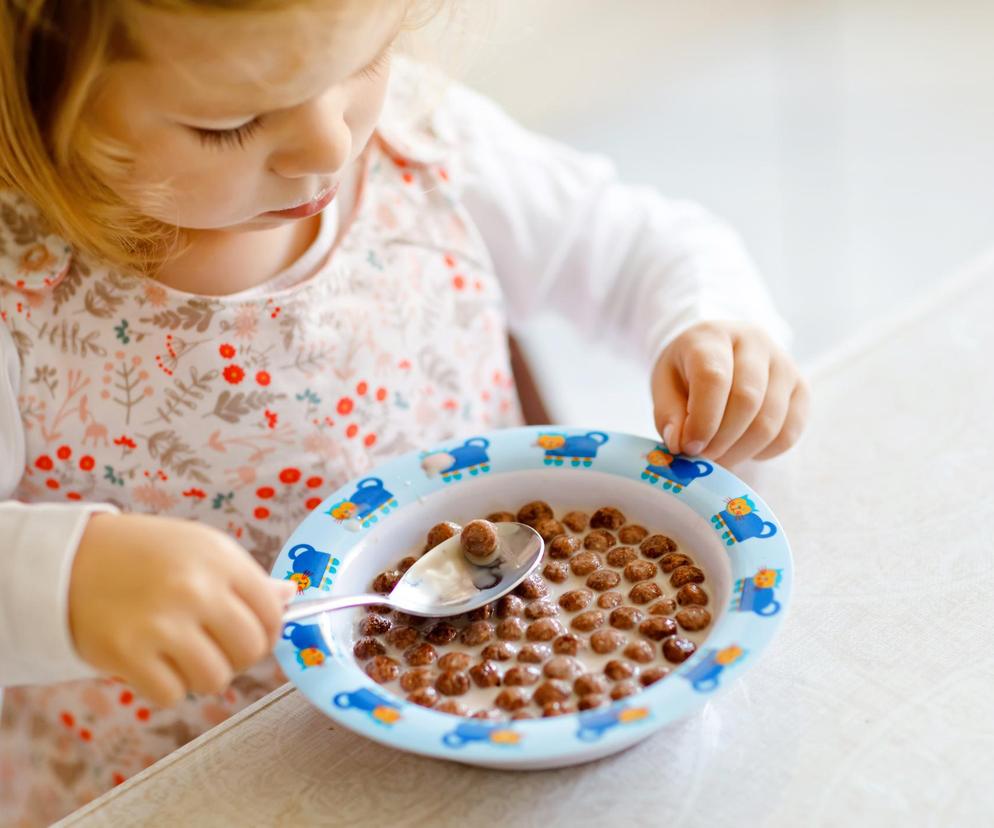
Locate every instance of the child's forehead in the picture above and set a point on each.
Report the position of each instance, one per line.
(261, 60)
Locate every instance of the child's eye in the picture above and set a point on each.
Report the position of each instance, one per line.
(228, 138)
(378, 64)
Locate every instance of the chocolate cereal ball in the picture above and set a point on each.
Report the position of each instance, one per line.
(575, 600)
(610, 600)
(620, 556)
(599, 540)
(619, 670)
(664, 606)
(521, 676)
(545, 629)
(623, 689)
(556, 571)
(534, 653)
(672, 560)
(632, 535)
(532, 587)
(606, 641)
(590, 683)
(386, 581)
(441, 532)
(542, 608)
(591, 701)
(549, 528)
(639, 651)
(484, 613)
(644, 592)
(686, 575)
(511, 629)
(693, 618)
(366, 648)
(454, 662)
(575, 521)
(562, 667)
(479, 542)
(655, 546)
(452, 707)
(678, 649)
(567, 644)
(640, 571)
(553, 690)
(650, 675)
(509, 605)
(588, 621)
(479, 632)
(502, 517)
(625, 618)
(691, 595)
(426, 697)
(511, 698)
(452, 683)
(562, 547)
(498, 651)
(658, 627)
(374, 625)
(584, 563)
(402, 637)
(441, 633)
(532, 513)
(417, 679)
(603, 579)
(420, 655)
(382, 669)
(485, 674)
(607, 517)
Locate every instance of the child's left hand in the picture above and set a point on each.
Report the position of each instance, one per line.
(726, 391)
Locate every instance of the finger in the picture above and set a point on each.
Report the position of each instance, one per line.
(797, 416)
(669, 399)
(239, 633)
(708, 371)
(750, 380)
(202, 663)
(156, 680)
(768, 422)
(266, 598)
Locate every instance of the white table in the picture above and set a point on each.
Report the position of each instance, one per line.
(874, 707)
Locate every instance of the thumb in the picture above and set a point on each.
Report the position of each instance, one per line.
(285, 590)
(669, 399)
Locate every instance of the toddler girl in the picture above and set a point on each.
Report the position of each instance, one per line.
(241, 261)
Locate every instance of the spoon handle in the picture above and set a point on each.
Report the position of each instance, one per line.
(304, 609)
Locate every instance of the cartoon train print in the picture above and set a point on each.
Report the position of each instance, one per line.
(381, 710)
(674, 471)
(739, 522)
(311, 567)
(366, 504)
(593, 725)
(758, 593)
(575, 449)
(704, 675)
(494, 733)
(311, 647)
(470, 458)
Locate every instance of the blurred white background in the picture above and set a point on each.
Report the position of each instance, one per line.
(849, 141)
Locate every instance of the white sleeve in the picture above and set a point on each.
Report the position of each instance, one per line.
(37, 546)
(566, 235)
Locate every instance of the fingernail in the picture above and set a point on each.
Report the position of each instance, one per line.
(288, 588)
(668, 434)
(693, 448)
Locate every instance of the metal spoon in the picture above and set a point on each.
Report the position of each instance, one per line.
(443, 582)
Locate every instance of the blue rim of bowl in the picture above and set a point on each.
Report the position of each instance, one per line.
(326, 673)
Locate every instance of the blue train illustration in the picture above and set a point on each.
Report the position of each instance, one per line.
(575, 449)
(674, 470)
(758, 593)
(469, 458)
(370, 500)
(480, 730)
(381, 710)
(594, 724)
(311, 568)
(738, 522)
(307, 638)
(704, 675)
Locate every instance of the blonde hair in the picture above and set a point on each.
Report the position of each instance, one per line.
(52, 53)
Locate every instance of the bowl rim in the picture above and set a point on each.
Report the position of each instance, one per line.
(342, 691)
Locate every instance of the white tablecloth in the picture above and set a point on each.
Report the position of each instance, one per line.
(874, 707)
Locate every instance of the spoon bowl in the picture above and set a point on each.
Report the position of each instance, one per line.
(443, 582)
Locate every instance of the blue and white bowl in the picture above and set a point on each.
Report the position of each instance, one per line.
(371, 523)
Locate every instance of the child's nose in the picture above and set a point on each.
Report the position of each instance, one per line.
(318, 141)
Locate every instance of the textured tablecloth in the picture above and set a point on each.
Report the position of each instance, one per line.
(875, 706)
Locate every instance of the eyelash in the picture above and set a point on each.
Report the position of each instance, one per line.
(237, 137)
(229, 138)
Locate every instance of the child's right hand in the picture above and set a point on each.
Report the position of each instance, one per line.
(170, 605)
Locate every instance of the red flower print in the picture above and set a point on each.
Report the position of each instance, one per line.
(200, 494)
(234, 374)
(265, 492)
(313, 502)
(262, 378)
(261, 512)
(449, 260)
(408, 178)
(345, 406)
(290, 475)
(126, 441)
(64, 453)
(74, 496)
(143, 713)
(458, 282)
(67, 719)
(369, 439)
(85, 734)
(126, 697)
(361, 388)
(381, 394)
(314, 482)
(119, 778)
(52, 483)
(352, 431)
(86, 462)
(44, 463)
(227, 351)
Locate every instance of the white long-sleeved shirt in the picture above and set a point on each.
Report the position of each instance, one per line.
(564, 234)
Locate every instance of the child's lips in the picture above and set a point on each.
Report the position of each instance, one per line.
(315, 205)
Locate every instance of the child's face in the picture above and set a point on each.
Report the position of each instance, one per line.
(231, 118)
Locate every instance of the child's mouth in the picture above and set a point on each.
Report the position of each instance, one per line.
(309, 208)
